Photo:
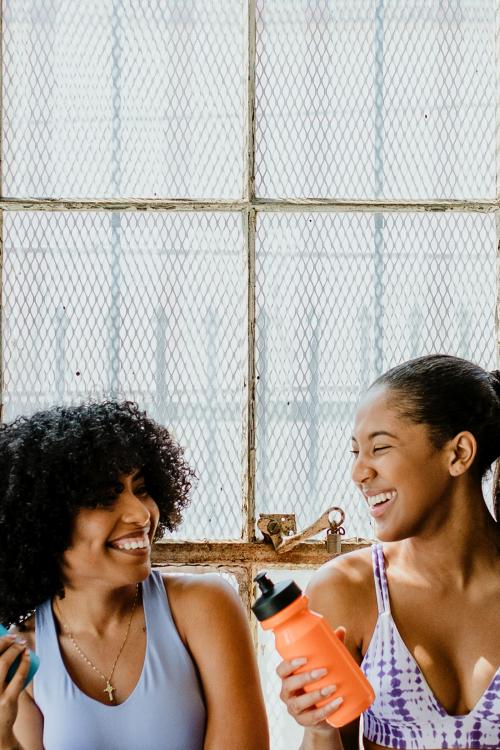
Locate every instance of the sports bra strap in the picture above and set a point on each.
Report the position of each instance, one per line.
(381, 588)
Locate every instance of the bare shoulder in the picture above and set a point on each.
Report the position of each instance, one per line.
(343, 591)
(197, 589)
(348, 575)
(203, 599)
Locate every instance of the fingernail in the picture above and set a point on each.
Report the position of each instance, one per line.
(334, 704)
(298, 662)
(21, 641)
(328, 690)
(318, 673)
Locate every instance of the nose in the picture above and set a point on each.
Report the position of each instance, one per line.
(362, 471)
(133, 509)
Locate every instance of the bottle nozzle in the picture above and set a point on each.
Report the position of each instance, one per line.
(274, 596)
(264, 583)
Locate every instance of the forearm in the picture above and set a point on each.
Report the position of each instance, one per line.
(321, 740)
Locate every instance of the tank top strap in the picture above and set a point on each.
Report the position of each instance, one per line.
(46, 643)
(156, 604)
(380, 579)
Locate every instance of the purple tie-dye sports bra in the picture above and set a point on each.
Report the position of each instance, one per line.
(405, 713)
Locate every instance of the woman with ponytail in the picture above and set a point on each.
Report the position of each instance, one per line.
(420, 610)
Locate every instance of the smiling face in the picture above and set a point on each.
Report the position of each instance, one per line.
(404, 478)
(113, 543)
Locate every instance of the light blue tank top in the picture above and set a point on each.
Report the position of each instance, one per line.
(165, 709)
(406, 715)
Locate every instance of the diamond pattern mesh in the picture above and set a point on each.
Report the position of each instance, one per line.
(124, 98)
(143, 306)
(369, 100)
(130, 99)
(340, 298)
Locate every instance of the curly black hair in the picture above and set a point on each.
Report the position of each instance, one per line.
(59, 461)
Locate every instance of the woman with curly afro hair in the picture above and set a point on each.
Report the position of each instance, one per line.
(129, 658)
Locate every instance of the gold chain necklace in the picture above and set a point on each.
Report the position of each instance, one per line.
(109, 689)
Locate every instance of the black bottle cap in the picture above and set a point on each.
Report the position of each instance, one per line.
(275, 596)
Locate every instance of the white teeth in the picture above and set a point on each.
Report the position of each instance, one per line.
(381, 498)
(136, 544)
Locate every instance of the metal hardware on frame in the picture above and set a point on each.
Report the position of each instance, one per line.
(280, 529)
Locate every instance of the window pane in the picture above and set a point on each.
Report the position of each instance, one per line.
(124, 98)
(143, 306)
(383, 99)
(341, 298)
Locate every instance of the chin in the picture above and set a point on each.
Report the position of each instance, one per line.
(391, 534)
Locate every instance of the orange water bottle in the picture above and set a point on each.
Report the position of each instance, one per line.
(300, 632)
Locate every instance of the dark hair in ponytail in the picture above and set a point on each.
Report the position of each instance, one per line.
(450, 395)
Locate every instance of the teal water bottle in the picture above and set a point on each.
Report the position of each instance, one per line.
(34, 663)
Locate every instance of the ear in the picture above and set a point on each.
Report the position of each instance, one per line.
(463, 450)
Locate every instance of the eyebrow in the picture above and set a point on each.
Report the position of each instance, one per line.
(138, 475)
(376, 434)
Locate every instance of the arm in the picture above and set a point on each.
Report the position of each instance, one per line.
(212, 622)
(28, 726)
(342, 591)
(13, 698)
(319, 735)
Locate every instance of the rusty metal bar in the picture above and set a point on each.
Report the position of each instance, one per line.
(249, 191)
(248, 532)
(120, 204)
(249, 219)
(257, 204)
(230, 554)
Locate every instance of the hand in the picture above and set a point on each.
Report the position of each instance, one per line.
(11, 647)
(302, 705)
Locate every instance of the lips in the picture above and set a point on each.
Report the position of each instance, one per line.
(379, 502)
(380, 497)
(131, 542)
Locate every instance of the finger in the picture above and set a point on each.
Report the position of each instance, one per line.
(340, 633)
(16, 685)
(6, 641)
(286, 668)
(8, 658)
(304, 702)
(320, 714)
(297, 682)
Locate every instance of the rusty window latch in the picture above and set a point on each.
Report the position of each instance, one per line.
(280, 529)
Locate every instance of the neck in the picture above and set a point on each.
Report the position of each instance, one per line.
(456, 547)
(95, 610)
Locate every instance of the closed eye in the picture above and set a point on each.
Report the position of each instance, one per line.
(381, 448)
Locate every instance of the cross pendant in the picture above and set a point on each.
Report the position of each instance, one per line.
(109, 689)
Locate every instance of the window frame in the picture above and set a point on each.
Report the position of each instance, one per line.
(244, 556)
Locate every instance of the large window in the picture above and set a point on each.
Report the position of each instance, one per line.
(238, 213)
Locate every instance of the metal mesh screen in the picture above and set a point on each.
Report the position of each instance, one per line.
(369, 100)
(341, 298)
(143, 306)
(124, 98)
